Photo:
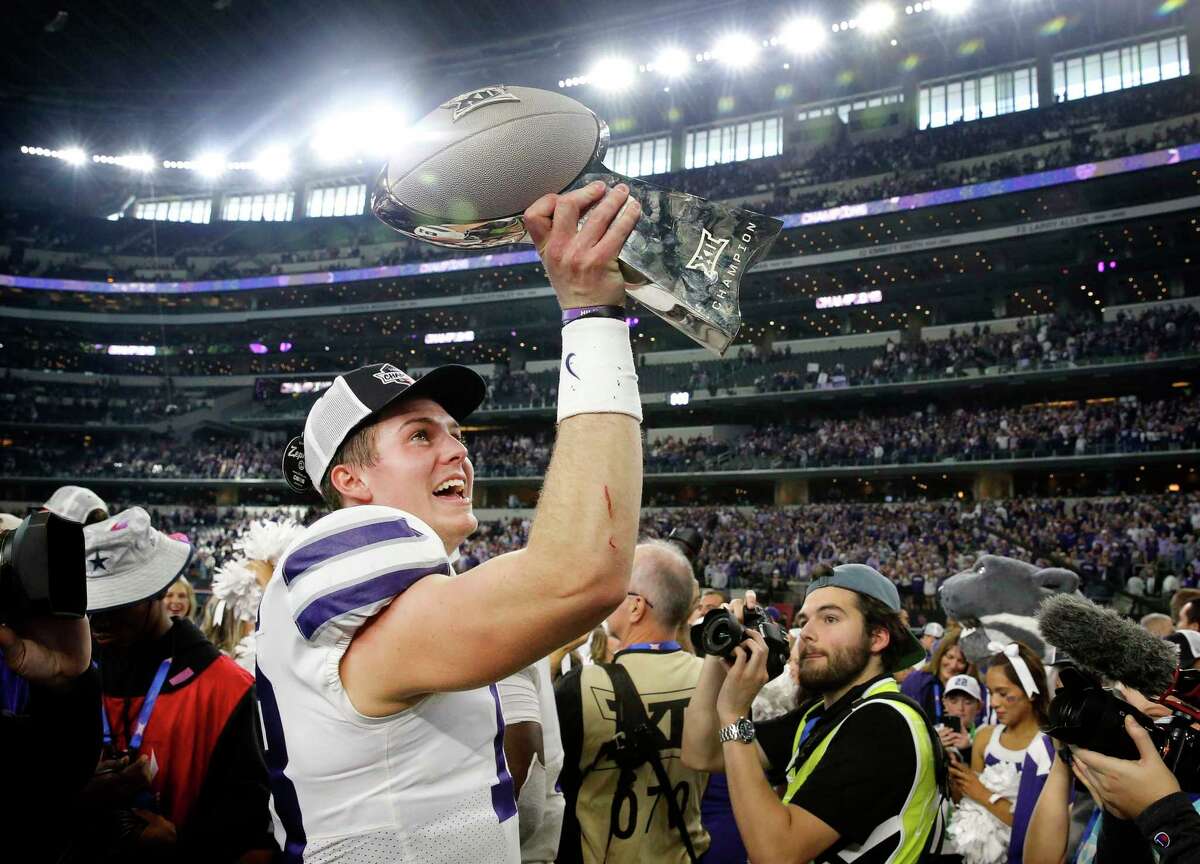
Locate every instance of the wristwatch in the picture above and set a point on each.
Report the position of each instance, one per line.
(742, 730)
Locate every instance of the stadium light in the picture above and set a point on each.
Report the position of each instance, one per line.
(736, 50)
(73, 156)
(382, 129)
(802, 35)
(671, 62)
(210, 165)
(273, 163)
(376, 129)
(334, 140)
(953, 8)
(612, 74)
(875, 18)
(141, 162)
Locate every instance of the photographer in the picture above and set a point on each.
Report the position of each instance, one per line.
(1144, 791)
(861, 762)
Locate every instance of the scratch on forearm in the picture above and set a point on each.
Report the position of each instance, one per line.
(608, 501)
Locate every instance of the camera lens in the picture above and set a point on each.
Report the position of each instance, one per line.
(721, 634)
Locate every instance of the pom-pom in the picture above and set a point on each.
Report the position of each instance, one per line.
(267, 539)
(978, 835)
(236, 588)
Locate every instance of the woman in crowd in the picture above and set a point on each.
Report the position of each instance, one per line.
(927, 685)
(181, 599)
(1016, 680)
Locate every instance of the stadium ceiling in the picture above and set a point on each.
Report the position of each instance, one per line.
(188, 76)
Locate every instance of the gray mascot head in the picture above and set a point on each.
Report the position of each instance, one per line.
(996, 600)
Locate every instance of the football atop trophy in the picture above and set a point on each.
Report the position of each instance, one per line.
(466, 172)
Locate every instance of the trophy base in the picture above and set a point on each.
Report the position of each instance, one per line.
(687, 257)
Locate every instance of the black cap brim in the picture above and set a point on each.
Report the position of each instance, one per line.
(458, 389)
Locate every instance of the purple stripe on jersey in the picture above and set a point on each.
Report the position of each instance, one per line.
(351, 540)
(283, 790)
(329, 606)
(504, 798)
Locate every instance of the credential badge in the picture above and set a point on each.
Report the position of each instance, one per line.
(468, 102)
(389, 374)
(705, 257)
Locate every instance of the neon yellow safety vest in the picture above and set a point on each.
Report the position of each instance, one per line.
(921, 811)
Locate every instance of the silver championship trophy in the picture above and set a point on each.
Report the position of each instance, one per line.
(467, 171)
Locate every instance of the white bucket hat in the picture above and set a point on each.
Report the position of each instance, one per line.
(75, 503)
(128, 560)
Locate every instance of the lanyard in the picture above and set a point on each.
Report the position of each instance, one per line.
(937, 702)
(135, 742)
(808, 725)
(654, 646)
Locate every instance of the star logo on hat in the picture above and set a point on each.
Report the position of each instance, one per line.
(389, 374)
(97, 562)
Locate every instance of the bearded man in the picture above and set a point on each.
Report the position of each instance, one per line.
(859, 760)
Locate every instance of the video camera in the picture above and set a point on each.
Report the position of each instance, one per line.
(42, 569)
(720, 633)
(1084, 714)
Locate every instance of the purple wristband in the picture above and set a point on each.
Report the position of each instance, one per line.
(570, 315)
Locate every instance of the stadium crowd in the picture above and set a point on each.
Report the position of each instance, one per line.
(1064, 134)
(917, 436)
(1107, 541)
(1036, 343)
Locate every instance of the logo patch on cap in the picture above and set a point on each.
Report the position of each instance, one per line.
(389, 374)
(294, 474)
(1162, 839)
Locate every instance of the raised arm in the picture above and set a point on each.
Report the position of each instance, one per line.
(454, 633)
(701, 749)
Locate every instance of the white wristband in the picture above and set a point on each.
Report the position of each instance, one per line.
(597, 374)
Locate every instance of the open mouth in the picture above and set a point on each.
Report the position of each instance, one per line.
(452, 490)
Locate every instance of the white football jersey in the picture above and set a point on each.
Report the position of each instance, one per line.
(428, 785)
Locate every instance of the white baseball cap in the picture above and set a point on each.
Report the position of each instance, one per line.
(75, 503)
(964, 684)
(359, 395)
(934, 629)
(128, 560)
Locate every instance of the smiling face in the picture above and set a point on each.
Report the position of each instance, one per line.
(177, 602)
(420, 466)
(952, 663)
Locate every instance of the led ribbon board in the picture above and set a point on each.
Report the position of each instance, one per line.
(936, 198)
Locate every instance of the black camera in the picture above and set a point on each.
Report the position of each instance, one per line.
(1084, 714)
(41, 569)
(719, 633)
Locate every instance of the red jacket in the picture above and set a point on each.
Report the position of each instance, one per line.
(203, 736)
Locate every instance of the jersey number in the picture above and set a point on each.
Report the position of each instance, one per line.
(626, 820)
